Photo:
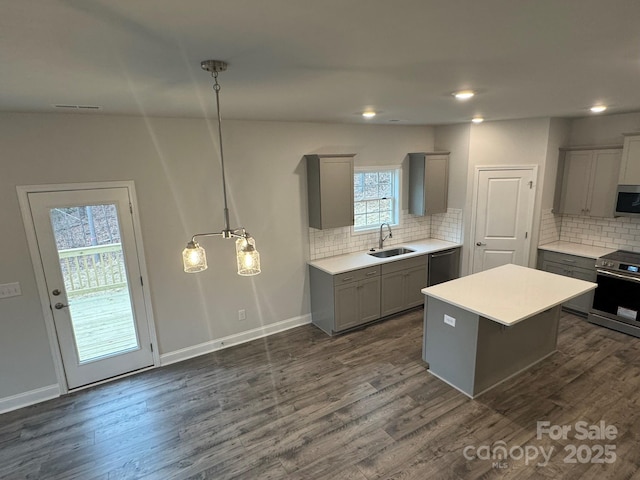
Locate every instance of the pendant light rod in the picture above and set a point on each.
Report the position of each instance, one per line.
(215, 67)
(193, 256)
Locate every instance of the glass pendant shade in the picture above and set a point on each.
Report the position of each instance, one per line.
(248, 257)
(194, 258)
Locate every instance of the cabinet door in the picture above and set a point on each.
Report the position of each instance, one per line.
(556, 268)
(330, 190)
(630, 168)
(428, 183)
(392, 300)
(346, 306)
(336, 192)
(436, 184)
(415, 281)
(369, 299)
(584, 302)
(575, 183)
(604, 181)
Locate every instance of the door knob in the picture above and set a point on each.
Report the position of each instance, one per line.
(56, 292)
(480, 244)
(60, 306)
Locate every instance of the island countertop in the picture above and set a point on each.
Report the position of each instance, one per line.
(353, 261)
(510, 293)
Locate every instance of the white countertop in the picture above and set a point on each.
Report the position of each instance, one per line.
(578, 249)
(510, 293)
(353, 261)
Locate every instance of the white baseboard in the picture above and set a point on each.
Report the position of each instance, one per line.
(231, 340)
(29, 398)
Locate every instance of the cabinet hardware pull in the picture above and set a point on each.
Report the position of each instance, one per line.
(371, 273)
(567, 260)
(347, 279)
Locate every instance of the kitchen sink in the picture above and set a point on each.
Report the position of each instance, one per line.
(391, 253)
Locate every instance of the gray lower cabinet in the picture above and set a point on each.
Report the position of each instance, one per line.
(357, 303)
(582, 268)
(349, 299)
(402, 282)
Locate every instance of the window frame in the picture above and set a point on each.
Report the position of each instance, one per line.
(397, 188)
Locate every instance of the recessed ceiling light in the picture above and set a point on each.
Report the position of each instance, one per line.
(598, 108)
(477, 119)
(369, 114)
(464, 94)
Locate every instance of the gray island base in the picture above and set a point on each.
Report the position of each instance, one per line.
(482, 329)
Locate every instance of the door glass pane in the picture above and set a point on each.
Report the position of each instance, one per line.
(95, 278)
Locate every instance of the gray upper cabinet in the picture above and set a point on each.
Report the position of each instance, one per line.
(428, 183)
(630, 166)
(330, 189)
(587, 180)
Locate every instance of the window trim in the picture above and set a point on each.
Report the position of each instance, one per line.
(397, 169)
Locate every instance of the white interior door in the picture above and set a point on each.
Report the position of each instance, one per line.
(503, 217)
(87, 246)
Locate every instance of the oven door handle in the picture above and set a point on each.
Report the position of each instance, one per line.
(617, 275)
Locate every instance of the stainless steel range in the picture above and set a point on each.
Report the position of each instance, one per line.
(616, 302)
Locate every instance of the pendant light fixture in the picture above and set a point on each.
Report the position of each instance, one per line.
(193, 256)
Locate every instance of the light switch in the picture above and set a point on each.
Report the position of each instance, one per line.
(10, 290)
(449, 320)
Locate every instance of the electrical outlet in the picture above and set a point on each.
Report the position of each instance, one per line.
(242, 315)
(449, 320)
(10, 290)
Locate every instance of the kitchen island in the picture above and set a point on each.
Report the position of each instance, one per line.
(482, 329)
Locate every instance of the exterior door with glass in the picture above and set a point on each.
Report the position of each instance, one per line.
(87, 245)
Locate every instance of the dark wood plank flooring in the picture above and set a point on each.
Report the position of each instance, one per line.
(362, 406)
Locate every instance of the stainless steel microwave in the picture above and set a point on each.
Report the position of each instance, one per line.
(628, 201)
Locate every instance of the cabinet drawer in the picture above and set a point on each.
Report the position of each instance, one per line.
(405, 264)
(355, 275)
(587, 274)
(569, 260)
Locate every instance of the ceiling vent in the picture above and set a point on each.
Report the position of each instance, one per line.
(78, 108)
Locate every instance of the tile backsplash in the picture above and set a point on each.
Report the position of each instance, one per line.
(447, 226)
(337, 241)
(622, 233)
(550, 227)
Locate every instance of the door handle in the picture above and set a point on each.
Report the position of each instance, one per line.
(480, 244)
(60, 306)
(56, 292)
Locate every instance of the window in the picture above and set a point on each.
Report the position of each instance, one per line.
(376, 197)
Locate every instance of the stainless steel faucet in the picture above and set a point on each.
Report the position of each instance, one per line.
(382, 239)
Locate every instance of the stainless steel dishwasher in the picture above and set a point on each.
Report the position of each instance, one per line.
(443, 266)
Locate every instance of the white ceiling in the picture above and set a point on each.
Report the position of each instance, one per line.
(322, 60)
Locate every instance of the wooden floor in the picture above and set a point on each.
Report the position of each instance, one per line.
(302, 405)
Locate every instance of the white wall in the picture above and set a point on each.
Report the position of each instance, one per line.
(603, 129)
(455, 139)
(174, 165)
(513, 142)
